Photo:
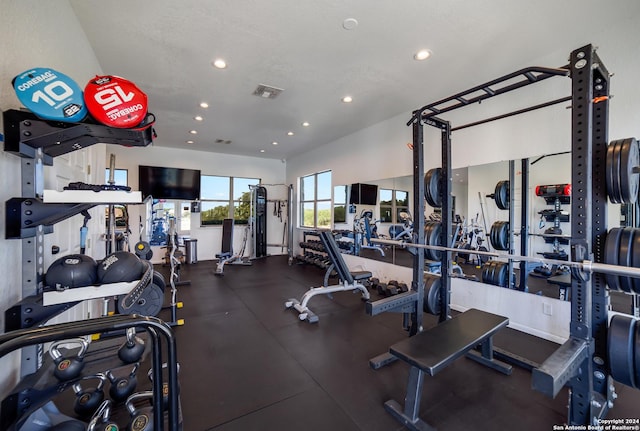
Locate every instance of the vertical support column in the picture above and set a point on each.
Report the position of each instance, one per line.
(588, 228)
(524, 224)
(32, 172)
(447, 237)
(418, 222)
(512, 221)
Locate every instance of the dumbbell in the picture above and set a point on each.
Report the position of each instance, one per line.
(401, 287)
(122, 387)
(88, 400)
(68, 368)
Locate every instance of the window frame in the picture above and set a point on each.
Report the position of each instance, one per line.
(230, 202)
(315, 202)
(394, 208)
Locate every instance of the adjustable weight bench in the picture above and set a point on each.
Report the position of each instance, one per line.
(435, 349)
(226, 256)
(348, 280)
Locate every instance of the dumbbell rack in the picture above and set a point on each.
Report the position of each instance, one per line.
(556, 216)
(28, 217)
(36, 389)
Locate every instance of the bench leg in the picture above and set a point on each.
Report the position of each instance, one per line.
(409, 416)
(486, 357)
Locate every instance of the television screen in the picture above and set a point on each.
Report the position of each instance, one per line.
(364, 194)
(169, 183)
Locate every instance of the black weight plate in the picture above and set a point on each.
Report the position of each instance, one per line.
(436, 191)
(428, 189)
(611, 249)
(493, 237)
(610, 172)
(616, 171)
(503, 237)
(501, 194)
(620, 349)
(436, 240)
(635, 261)
(502, 270)
(491, 272)
(636, 353)
(433, 299)
(158, 280)
(629, 181)
(625, 258)
(485, 272)
(149, 304)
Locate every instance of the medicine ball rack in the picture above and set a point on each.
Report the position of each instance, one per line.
(29, 218)
(582, 362)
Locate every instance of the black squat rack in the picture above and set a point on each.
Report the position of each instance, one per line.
(582, 361)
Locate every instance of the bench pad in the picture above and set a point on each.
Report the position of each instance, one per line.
(434, 349)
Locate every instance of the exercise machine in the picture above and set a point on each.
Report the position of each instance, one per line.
(226, 255)
(365, 229)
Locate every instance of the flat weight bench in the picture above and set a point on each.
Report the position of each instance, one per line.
(348, 280)
(435, 349)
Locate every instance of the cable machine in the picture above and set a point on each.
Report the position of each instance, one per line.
(259, 219)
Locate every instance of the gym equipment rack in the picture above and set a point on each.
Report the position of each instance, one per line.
(582, 362)
(28, 217)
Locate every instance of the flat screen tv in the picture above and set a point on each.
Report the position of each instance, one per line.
(169, 183)
(364, 194)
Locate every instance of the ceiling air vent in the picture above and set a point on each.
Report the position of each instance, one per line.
(222, 141)
(267, 91)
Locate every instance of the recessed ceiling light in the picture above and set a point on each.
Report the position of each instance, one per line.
(422, 55)
(189, 142)
(193, 132)
(289, 133)
(204, 105)
(347, 99)
(220, 63)
(262, 151)
(198, 118)
(274, 143)
(349, 23)
(305, 124)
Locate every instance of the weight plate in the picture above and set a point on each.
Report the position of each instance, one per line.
(158, 280)
(432, 192)
(149, 304)
(609, 172)
(629, 181)
(433, 298)
(115, 101)
(635, 261)
(485, 272)
(616, 171)
(611, 250)
(620, 349)
(625, 257)
(501, 194)
(504, 235)
(427, 188)
(636, 353)
(501, 274)
(50, 95)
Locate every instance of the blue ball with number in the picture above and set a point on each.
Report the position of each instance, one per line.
(50, 95)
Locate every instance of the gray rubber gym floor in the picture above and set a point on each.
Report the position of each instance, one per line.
(249, 364)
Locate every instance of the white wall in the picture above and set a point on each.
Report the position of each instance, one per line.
(209, 237)
(41, 34)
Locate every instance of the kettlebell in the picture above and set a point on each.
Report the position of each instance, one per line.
(132, 349)
(68, 368)
(88, 400)
(101, 419)
(122, 387)
(165, 386)
(141, 419)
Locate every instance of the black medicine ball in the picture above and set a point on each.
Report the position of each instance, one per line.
(73, 270)
(119, 267)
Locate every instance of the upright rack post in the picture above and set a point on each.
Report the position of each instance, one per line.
(418, 231)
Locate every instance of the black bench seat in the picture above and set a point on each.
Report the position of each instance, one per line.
(436, 348)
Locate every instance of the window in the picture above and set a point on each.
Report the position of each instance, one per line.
(119, 176)
(392, 203)
(315, 200)
(225, 197)
(340, 204)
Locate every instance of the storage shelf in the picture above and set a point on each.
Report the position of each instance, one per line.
(54, 297)
(89, 196)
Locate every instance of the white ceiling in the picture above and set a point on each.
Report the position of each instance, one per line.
(166, 47)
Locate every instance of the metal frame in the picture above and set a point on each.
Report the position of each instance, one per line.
(582, 361)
